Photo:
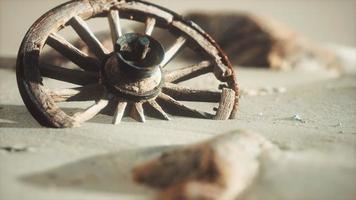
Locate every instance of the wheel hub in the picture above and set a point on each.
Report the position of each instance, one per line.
(132, 71)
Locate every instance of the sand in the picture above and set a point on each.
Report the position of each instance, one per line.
(312, 122)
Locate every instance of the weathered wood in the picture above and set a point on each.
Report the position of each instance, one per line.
(39, 101)
(68, 75)
(173, 50)
(226, 104)
(174, 107)
(72, 53)
(41, 106)
(189, 72)
(84, 32)
(221, 168)
(91, 111)
(182, 93)
(150, 24)
(137, 112)
(119, 112)
(235, 108)
(153, 104)
(85, 93)
(115, 26)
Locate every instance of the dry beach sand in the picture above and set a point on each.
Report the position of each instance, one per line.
(311, 120)
(308, 114)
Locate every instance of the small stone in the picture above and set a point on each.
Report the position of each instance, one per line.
(260, 114)
(298, 118)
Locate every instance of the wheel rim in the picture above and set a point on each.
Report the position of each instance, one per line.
(42, 102)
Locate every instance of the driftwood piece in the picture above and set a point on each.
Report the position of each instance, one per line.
(251, 40)
(221, 168)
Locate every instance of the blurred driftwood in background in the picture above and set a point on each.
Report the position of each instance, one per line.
(251, 40)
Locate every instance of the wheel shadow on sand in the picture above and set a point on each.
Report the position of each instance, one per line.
(110, 173)
(16, 116)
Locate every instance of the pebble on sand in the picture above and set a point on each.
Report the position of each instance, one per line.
(297, 117)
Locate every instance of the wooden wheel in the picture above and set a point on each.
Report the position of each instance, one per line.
(133, 77)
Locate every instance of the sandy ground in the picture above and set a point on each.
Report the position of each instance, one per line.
(94, 161)
(318, 160)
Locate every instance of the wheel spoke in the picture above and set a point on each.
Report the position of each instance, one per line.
(85, 93)
(153, 104)
(226, 104)
(182, 93)
(137, 112)
(119, 112)
(91, 111)
(173, 50)
(150, 24)
(115, 26)
(84, 32)
(68, 75)
(72, 53)
(176, 108)
(190, 72)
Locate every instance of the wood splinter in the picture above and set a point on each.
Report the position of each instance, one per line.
(221, 168)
